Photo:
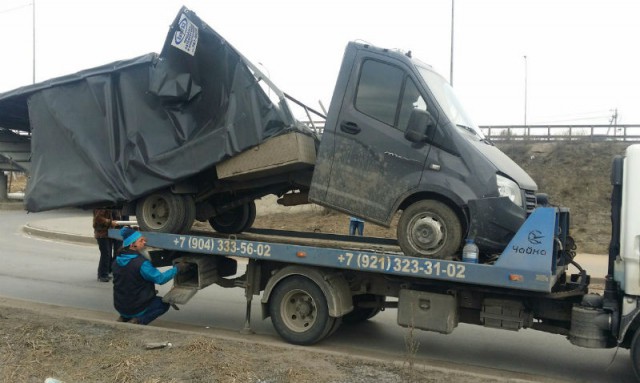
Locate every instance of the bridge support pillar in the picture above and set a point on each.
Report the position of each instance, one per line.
(3, 187)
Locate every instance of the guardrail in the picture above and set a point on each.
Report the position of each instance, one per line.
(593, 133)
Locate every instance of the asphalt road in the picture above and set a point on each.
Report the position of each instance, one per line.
(65, 274)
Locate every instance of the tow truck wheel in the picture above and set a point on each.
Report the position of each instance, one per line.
(299, 311)
(361, 314)
(635, 353)
(162, 212)
(337, 322)
(429, 229)
(235, 220)
(189, 213)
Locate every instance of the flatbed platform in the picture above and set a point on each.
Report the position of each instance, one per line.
(528, 263)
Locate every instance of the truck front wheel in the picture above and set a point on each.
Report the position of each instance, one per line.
(429, 229)
(164, 212)
(299, 311)
(235, 220)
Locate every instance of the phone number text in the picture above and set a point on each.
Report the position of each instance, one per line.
(403, 265)
(227, 246)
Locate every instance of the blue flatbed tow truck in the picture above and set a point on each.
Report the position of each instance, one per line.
(309, 287)
(309, 290)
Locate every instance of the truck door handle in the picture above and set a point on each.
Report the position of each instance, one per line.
(350, 127)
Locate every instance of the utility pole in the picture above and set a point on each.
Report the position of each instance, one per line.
(614, 118)
(33, 22)
(453, 2)
(613, 121)
(525, 91)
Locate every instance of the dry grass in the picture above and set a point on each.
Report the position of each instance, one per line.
(574, 175)
(35, 345)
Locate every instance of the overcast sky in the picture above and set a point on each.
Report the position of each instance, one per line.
(582, 57)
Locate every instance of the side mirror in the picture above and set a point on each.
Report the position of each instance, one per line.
(420, 126)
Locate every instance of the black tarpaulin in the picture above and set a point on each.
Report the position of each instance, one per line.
(117, 132)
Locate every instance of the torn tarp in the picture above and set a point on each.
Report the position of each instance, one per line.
(117, 132)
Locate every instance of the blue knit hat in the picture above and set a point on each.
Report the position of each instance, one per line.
(129, 236)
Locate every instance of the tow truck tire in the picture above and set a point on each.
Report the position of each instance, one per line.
(299, 311)
(337, 322)
(235, 220)
(162, 212)
(429, 229)
(361, 314)
(635, 353)
(190, 213)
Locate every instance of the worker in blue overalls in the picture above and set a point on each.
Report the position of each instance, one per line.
(135, 279)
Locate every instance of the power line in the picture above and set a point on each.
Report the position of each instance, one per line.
(545, 121)
(578, 116)
(15, 8)
(606, 112)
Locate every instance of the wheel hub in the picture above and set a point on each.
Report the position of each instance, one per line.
(159, 211)
(303, 308)
(427, 233)
(299, 311)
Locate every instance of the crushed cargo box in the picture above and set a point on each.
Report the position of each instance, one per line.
(112, 134)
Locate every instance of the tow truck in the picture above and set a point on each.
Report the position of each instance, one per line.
(309, 290)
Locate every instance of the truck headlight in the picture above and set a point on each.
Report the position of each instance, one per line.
(508, 188)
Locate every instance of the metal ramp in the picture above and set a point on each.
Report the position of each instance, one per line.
(15, 151)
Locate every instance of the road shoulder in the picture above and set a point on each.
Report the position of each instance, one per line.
(91, 345)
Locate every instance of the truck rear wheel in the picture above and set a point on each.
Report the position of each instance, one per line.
(429, 229)
(299, 311)
(163, 212)
(252, 216)
(189, 213)
(235, 220)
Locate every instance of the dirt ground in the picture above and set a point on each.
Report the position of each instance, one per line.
(36, 344)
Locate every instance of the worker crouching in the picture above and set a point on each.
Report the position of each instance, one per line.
(134, 280)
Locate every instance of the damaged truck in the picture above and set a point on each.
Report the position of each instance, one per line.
(198, 132)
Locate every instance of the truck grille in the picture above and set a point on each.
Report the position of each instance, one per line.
(530, 200)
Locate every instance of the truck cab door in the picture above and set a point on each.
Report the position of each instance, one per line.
(372, 163)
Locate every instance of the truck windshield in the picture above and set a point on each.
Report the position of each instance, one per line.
(443, 92)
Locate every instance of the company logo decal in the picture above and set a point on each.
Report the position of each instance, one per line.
(186, 38)
(535, 237)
